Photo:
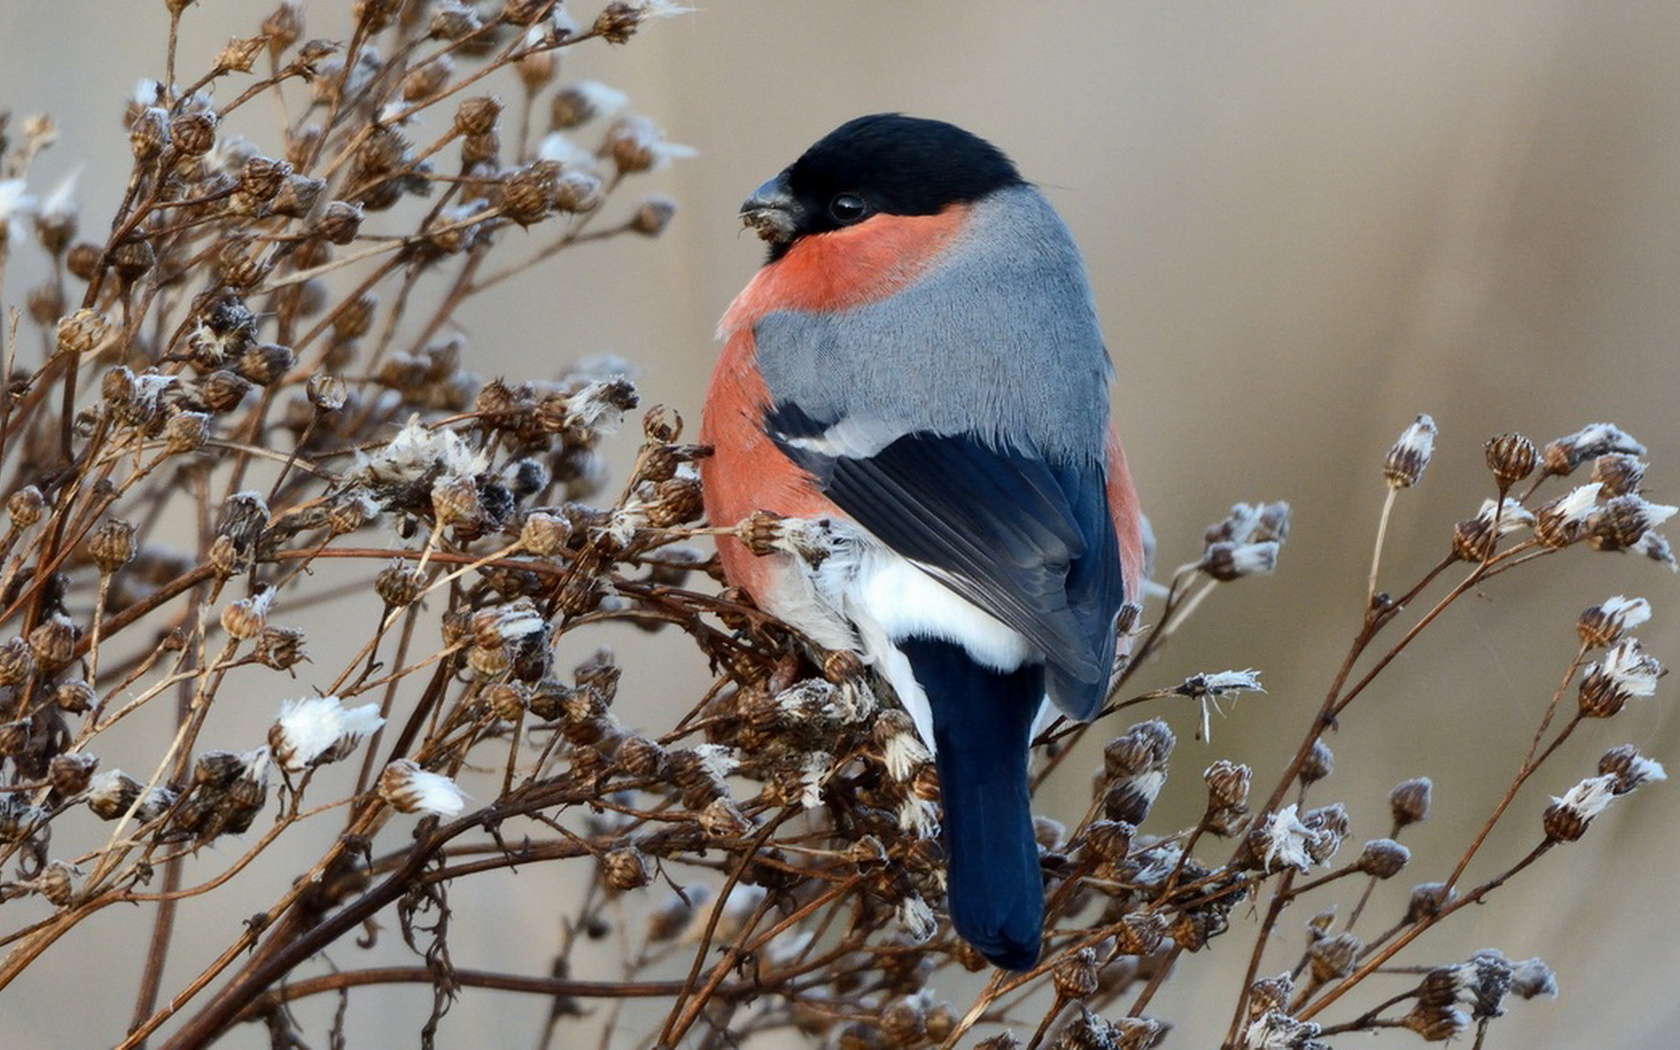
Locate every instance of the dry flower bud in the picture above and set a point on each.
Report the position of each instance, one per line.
(1406, 461)
(580, 102)
(26, 506)
(84, 260)
(1604, 623)
(1475, 539)
(409, 789)
(1409, 801)
(54, 642)
(82, 332)
(193, 134)
(1591, 441)
(71, 772)
(112, 545)
(653, 215)
(1227, 784)
(57, 884)
(1620, 474)
(455, 502)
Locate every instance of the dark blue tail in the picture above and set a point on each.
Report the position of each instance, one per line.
(982, 725)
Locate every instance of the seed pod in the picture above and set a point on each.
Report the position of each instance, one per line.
(112, 546)
(193, 134)
(26, 506)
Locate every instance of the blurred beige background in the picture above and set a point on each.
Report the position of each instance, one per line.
(1305, 224)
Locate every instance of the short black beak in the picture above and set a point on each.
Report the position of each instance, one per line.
(772, 211)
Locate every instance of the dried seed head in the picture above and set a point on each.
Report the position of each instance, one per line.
(1619, 473)
(245, 618)
(1075, 977)
(132, 259)
(1566, 519)
(82, 332)
(186, 432)
(624, 868)
(409, 789)
(1626, 672)
(193, 134)
(1144, 748)
(14, 739)
(223, 390)
(428, 81)
(1475, 539)
(398, 585)
(637, 144)
(1409, 801)
(1630, 768)
(1320, 763)
(327, 393)
(54, 642)
(1604, 623)
(111, 794)
(339, 222)
(71, 772)
(227, 557)
(73, 696)
(527, 194)
(265, 363)
(281, 648)
(83, 260)
(455, 502)
(1567, 818)
(1591, 441)
(653, 215)
(1624, 521)
(26, 506)
(1232, 561)
(545, 533)
(1511, 457)
(319, 729)
(1383, 858)
(577, 192)
(1227, 784)
(1410, 454)
(112, 545)
(17, 662)
(453, 21)
(283, 28)
(477, 116)
(1427, 900)
(148, 133)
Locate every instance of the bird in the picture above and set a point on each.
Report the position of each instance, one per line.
(918, 366)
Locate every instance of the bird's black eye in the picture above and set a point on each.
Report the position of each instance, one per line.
(847, 208)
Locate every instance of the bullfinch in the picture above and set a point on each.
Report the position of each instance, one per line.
(918, 367)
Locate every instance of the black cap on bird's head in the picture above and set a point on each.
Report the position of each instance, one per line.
(885, 163)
